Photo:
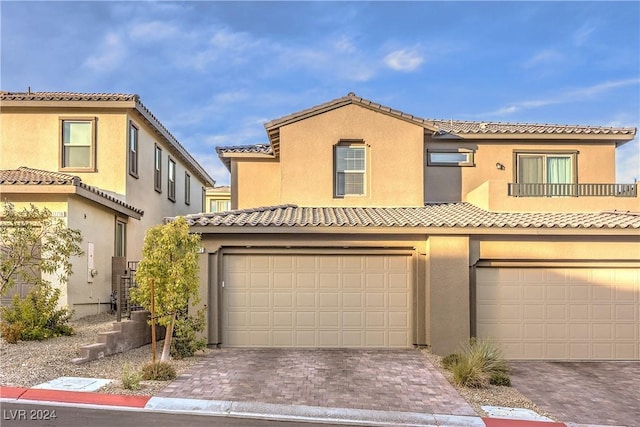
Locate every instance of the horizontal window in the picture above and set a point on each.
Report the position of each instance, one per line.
(454, 157)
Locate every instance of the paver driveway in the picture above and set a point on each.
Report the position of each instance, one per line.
(605, 393)
(394, 380)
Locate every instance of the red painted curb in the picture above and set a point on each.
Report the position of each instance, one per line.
(503, 422)
(85, 397)
(11, 392)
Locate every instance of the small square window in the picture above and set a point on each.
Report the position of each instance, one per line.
(450, 157)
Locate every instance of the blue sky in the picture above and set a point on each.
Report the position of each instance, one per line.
(214, 72)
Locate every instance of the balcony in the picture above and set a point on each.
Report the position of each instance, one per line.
(503, 196)
(572, 190)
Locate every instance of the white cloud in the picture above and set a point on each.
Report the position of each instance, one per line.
(109, 55)
(566, 97)
(404, 60)
(152, 31)
(544, 58)
(582, 34)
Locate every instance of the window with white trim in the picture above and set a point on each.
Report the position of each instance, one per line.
(133, 150)
(171, 181)
(350, 170)
(77, 146)
(157, 169)
(121, 239)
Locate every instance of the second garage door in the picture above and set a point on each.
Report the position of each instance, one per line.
(317, 301)
(561, 313)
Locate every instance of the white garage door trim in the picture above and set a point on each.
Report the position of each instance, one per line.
(560, 313)
(317, 300)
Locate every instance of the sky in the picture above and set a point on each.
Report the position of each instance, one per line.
(214, 72)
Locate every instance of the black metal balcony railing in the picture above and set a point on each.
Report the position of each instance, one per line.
(572, 190)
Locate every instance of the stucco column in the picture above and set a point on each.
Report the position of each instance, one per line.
(448, 277)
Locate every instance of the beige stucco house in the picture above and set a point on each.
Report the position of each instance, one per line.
(361, 226)
(104, 164)
(218, 199)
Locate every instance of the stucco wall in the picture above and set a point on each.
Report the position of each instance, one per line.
(595, 164)
(394, 173)
(31, 137)
(256, 183)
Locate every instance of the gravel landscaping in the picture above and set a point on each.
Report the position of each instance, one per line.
(30, 363)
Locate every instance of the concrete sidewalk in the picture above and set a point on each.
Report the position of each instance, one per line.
(265, 411)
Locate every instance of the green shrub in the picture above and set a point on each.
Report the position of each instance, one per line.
(159, 371)
(468, 372)
(500, 378)
(37, 316)
(185, 342)
(130, 379)
(480, 363)
(450, 360)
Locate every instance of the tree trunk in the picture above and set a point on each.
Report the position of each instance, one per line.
(166, 349)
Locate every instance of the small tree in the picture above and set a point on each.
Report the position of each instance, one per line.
(167, 275)
(33, 242)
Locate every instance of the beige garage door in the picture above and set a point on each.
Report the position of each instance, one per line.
(560, 313)
(317, 301)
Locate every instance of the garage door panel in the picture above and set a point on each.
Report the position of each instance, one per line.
(564, 313)
(317, 301)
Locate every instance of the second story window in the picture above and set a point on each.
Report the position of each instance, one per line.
(157, 170)
(77, 144)
(450, 157)
(133, 150)
(545, 168)
(350, 169)
(171, 181)
(187, 188)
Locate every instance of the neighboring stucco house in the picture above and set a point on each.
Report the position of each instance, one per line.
(105, 165)
(218, 199)
(362, 226)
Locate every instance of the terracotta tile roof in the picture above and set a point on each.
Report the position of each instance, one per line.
(241, 149)
(452, 126)
(439, 215)
(122, 97)
(66, 96)
(29, 176)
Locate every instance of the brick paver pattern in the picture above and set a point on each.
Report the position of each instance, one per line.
(390, 380)
(606, 393)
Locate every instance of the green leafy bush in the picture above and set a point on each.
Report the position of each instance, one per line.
(158, 371)
(37, 316)
(480, 363)
(186, 342)
(130, 378)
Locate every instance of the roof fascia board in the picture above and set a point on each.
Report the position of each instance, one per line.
(425, 231)
(89, 195)
(37, 189)
(62, 103)
(66, 190)
(617, 138)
